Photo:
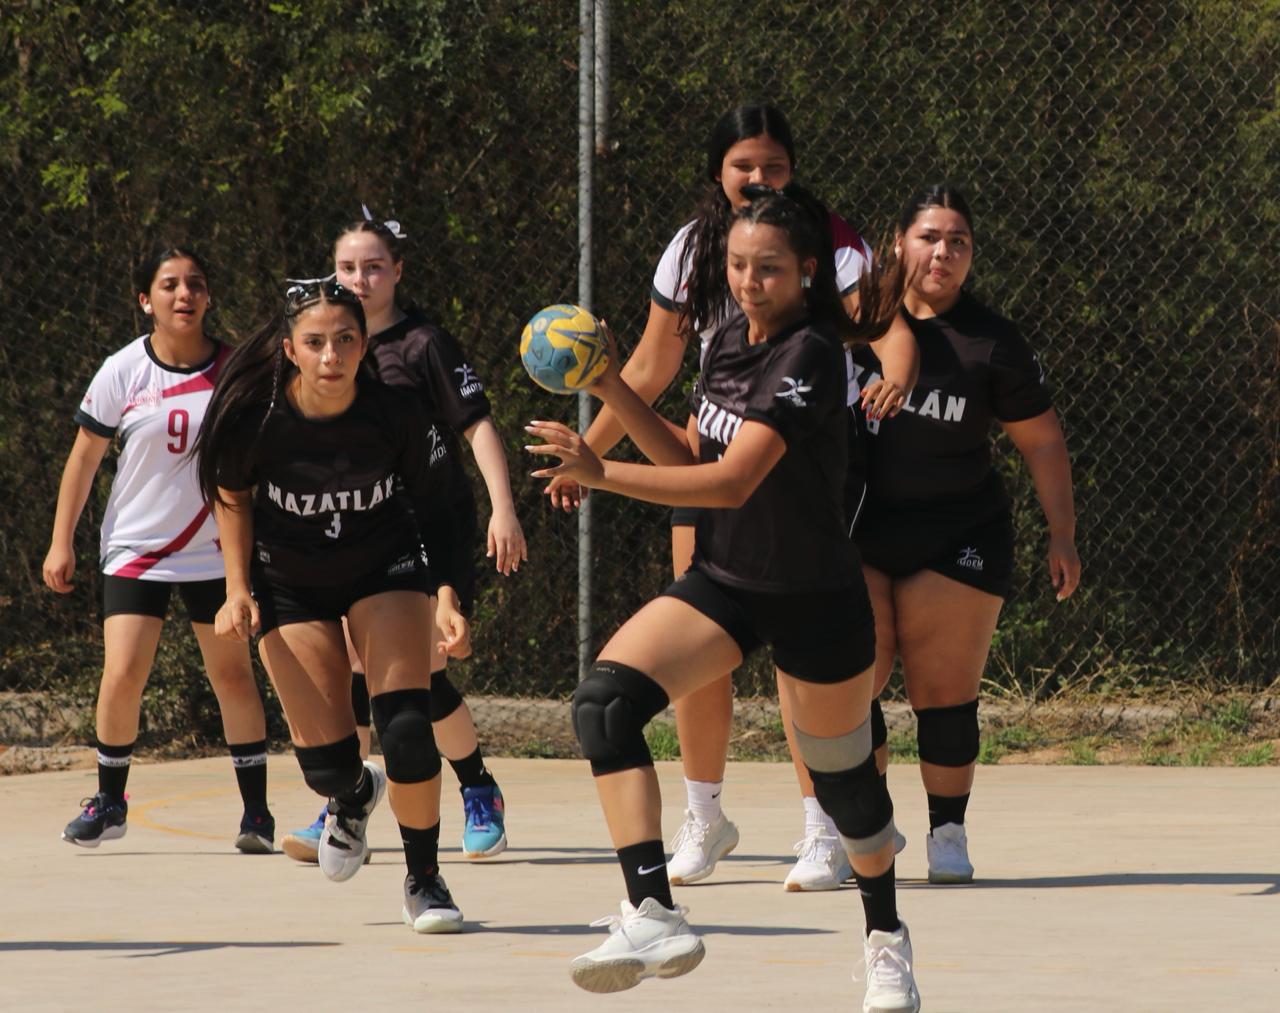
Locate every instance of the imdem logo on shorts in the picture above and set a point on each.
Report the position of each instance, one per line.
(970, 559)
(403, 565)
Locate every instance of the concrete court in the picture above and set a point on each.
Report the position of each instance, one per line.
(1101, 889)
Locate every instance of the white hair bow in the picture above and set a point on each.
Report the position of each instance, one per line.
(391, 224)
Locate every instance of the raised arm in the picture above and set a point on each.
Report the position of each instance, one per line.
(73, 492)
(728, 482)
(1044, 448)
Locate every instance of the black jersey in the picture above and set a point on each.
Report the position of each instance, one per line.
(419, 355)
(975, 368)
(332, 497)
(790, 534)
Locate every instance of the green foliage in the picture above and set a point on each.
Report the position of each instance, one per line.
(664, 744)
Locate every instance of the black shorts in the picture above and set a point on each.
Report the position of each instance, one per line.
(816, 636)
(134, 597)
(976, 552)
(280, 604)
(685, 517)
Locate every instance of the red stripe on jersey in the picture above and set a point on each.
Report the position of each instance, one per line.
(145, 562)
(843, 234)
(201, 381)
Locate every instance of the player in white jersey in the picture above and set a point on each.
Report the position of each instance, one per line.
(157, 533)
(748, 145)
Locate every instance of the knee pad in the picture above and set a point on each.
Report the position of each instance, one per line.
(849, 788)
(403, 720)
(445, 699)
(331, 770)
(948, 736)
(360, 698)
(611, 706)
(879, 730)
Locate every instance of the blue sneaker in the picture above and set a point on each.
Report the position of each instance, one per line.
(485, 834)
(304, 845)
(103, 819)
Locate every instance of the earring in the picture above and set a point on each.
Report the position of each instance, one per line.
(806, 281)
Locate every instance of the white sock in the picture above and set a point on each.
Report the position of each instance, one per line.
(815, 818)
(704, 799)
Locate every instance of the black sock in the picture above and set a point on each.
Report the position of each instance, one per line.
(250, 761)
(421, 850)
(359, 796)
(113, 769)
(879, 901)
(947, 809)
(644, 867)
(471, 771)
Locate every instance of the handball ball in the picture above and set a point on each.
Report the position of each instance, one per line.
(563, 349)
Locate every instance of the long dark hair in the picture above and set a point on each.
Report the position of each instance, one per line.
(705, 245)
(252, 380)
(807, 224)
(145, 271)
(936, 195)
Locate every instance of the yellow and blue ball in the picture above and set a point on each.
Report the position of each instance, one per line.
(563, 348)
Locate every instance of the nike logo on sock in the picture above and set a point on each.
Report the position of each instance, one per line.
(715, 796)
(653, 868)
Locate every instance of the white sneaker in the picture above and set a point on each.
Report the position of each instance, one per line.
(343, 848)
(429, 907)
(821, 863)
(697, 846)
(948, 849)
(644, 942)
(891, 987)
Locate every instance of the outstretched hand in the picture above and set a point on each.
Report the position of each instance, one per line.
(565, 493)
(577, 460)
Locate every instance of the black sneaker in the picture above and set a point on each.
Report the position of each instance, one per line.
(102, 820)
(428, 905)
(257, 833)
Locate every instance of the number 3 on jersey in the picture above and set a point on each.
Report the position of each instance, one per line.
(333, 529)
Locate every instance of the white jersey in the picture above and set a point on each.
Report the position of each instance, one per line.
(156, 526)
(670, 279)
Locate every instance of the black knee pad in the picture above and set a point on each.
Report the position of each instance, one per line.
(611, 706)
(948, 736)
(360, 698)
(859, 805)
(331, 770)
(879, 730)
(445, 698)
(403, 720)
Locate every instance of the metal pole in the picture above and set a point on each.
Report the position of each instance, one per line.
(602, 77)
(586, 152)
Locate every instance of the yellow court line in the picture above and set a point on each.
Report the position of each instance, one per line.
(138, 813)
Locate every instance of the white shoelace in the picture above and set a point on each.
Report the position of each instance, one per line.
(615, 922)
(692, 833)
(886, 965)
(812, 848)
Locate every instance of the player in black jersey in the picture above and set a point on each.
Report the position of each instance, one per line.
(936, 532)
(311, 468)
(749, 145)
(764, 454)
(406, 350)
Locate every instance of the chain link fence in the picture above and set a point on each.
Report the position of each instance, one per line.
(1121, 160)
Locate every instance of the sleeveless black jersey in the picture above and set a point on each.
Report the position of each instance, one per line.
(425, 358)
(975, 368)
(789, 536)
(329, 506)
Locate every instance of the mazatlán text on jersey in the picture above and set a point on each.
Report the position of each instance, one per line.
(307, 504)
(716, 423)
(930, 407)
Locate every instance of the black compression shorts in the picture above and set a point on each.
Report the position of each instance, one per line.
(818, 636)
(130, 596)
(280, 604)
(976, 552)
(685, 517)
